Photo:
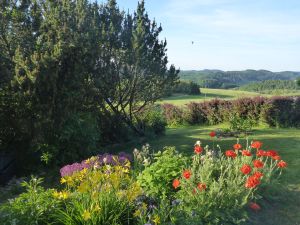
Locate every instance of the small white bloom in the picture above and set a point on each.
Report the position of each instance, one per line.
(198, 143)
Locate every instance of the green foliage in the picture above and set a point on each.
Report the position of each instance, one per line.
(156, 179)
(270, 86)
(155, 121)
(77, 73)
(231, 79)
(35, 206)
(183, 87)
(237, 123)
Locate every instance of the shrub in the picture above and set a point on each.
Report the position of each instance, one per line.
(32, 207)
(279, 112)
(173, 114)
(156, 178)
(155, 121)
(193, 114)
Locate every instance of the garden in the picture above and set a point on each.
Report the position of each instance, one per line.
(211, 186)
(96, 128)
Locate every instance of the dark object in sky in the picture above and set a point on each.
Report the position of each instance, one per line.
(192, 42)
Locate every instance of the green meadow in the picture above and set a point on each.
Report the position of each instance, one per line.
(208, 94)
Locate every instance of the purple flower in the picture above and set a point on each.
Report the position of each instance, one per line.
(68, 170)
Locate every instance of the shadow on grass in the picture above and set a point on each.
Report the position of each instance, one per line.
(203, 96)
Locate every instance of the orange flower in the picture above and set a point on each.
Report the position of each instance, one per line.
(252, 182)
(254, 206)
(230, 153)
(258, 164)
(261, 153)
(237, 146)
(282, 164)
(271, 153)
(176, 183)
(198, 149)
(276, 157)
(201, 186)
(212, 134)
(256, 144)
(246, 169)
(257, 174)
(187, 174)
(246, 153)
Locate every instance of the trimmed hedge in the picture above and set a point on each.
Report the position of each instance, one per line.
(276, 111)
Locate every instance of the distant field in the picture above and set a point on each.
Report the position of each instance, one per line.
(208, 94)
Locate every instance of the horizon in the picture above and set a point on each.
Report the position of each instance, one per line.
(230, 35)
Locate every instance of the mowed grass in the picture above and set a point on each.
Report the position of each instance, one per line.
(208, 94)
(283, 207)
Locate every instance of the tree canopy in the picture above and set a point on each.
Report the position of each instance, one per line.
(77, 60)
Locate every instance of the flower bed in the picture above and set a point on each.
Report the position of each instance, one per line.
(211, 187)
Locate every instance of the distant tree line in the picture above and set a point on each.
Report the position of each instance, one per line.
(231, 79)
(76, 74)
(269, 85)
(183, 87)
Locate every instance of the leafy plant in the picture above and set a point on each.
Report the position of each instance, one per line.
(35, 206)
(156, 178)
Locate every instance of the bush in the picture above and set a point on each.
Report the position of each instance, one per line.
(242, 114)
(173, 114)
(279, 112)
(193, 114)
(156, 178)
(35, 206)
(155, 121)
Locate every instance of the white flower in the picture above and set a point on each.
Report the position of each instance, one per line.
(198, 143)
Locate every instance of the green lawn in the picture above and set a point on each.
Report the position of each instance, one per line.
(284, 207)
(208, 94)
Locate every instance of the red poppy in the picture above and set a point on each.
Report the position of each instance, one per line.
(256, 144)
(257, 174)
(261, 153)
(246, 169)
(246, 153)
(276, 157)
(258, 164)
(201, 186)
(252, 182)
(198, 149)
(272, 153)
(237, 146)
(282, 164)
(176, 183)
(230, 153)
(212, 134)
(254, 206)
(187, 174)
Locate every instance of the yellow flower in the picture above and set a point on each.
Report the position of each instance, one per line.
(83, 187)
(56, 194)
(156, 219)
(63, 180)
(127, 164)
(97, 208)
(137, 213)
(144, 206)
(64, 194)
(86, 215)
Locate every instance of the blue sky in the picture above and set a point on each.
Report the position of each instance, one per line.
(228, 34)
